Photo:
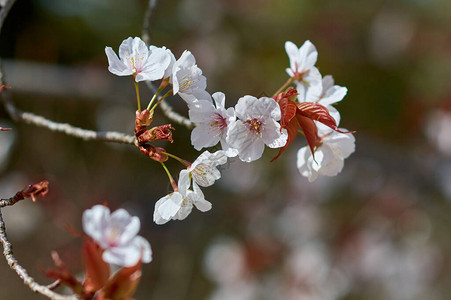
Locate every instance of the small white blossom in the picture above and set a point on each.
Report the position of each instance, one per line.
(211, 123)
(138, 60)
(178, 205)
(203, 170)
(188, 81)
(329, 157)
(117, 233)
(302, 61)
(257, 126)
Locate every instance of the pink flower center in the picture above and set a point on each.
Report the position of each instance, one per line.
(218, 122)
(255, 126)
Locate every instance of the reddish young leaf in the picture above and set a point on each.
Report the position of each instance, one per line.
(310, 130)
(292, 130)
(63, 274)
(97, 270)
(122, 285)
(318, 113)
(287, 105)
(4, 87)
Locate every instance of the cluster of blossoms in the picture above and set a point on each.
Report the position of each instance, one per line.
(243, 130)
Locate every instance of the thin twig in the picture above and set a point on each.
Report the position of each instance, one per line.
(30, 118)
(107, 136)
(14, 264)
(4, 11)
(145, 33)
(165, 107)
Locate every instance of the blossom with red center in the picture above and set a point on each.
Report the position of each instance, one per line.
(212, 121)
(257, 126)
(302, 68)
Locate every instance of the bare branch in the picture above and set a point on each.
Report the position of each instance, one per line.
(145, 34)
(4, 11)
(14, 264)
(169, 112)
(30, 118)
(165, 107)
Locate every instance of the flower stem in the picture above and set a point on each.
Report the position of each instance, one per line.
(137, 95)
(174, 185)
(287, 83)
(182, 161)
(169, 93)
(163, 84)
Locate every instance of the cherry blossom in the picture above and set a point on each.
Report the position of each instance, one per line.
(178, 205)
(117, 233)
(203, 170)
(257, 126)
(138, 60)
(333, 149)
(188, 81)
(212, 122)
(308, 79)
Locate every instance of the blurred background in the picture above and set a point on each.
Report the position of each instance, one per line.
(378, 230)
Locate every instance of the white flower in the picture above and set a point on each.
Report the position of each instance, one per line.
(257, 126)
(168, 70)
(138, 60)
(329, 156)
(178, 205)
(302, 63)
(211, 123)
(203, 170)
(117, 233)
(188, 81)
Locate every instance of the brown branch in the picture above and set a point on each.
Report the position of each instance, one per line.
(14, 264)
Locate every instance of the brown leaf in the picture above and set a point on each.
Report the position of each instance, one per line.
(318, 113)
(310, 130)
(123, 284)
(97, 270)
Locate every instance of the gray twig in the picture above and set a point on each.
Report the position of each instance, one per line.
(14, 264)
(165, 107)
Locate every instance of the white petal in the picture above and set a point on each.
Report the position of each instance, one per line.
(124, 225)
(314, 85)
(95, 222)
(293, 54)
(133, 52)
(167, 207)
(272, 136)
(199, 200)
(204, 136)
(116, 66)
(308, 55)
(184, 182)
(304, 164)
(219, 99)
(201, 111)
(155, 65)
(249, 107)
(342, 143)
